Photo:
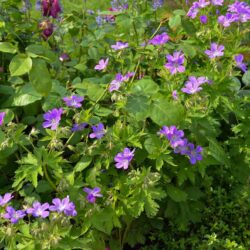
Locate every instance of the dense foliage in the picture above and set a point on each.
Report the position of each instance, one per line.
(126, 127)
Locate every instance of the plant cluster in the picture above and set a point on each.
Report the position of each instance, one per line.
(125, 128)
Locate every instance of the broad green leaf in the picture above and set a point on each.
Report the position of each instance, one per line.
(26, 95)
(176, 194)
(20, 64)
(138, 106)
(8, 47)
(163, 112)
(152, 144)
(188, 49)
(174, 21)
(145, 87)
(188, 26)
(41, 84)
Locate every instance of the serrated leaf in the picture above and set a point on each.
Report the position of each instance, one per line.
(82, 164)
(176, 194)
(20, 64)
(218, 152)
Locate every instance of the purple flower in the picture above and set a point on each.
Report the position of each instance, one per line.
(226, 20)
(119, 79)
(52, 118)
(239, 62)
(124, 158)
(174, 95)
(79, 127)
(193, 84)
(193, 11)
(13, 215)
(159, 39)
(203, 19)
(39, 210)
(64, 57)
(157, 4)
(173, 135)
(182, 149)
(217, 2)
(119, 45)
(98, 131)
(241, 11)
(102, 64)
(175, 62)
(51, 8)
(63, 206)
(114, 85)
(73, 101)
(215, 51)
(5, 199)
(92, 194)
(2, 115)
(194, 153)
(202, 3)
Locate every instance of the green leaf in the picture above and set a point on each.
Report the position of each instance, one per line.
(146, 86)
(20, 64)
(41, 84)
(153, 144)
(8, 47)
(26, 95)
(163, 112)
(246, 78)
(82, 164)
(176, 194)
(188, 26)
(218, 152)
(138, 105)
(174, 21)
(188, 49)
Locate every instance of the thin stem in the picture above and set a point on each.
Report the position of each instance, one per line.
(48, 178)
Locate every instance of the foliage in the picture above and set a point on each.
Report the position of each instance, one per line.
(148, 150)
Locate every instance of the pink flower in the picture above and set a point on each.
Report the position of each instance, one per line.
(102, 64)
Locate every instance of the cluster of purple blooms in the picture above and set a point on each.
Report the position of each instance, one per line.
(2, 115)
(181, 144)
(175, 62)
(119, 79)
(37, 210)
(53, 117)
(193, 85)
(159, 39)
(157, 4)
(237, 12)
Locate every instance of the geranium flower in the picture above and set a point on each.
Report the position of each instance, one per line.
(52, 118)
(92, 194)
(102, 64)
(73, 101)
(123, 159)
(215, 51)
(63, 206)
(175, 62)
(2, 115)
(39, 210)
(13, 215)
(98, 131)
